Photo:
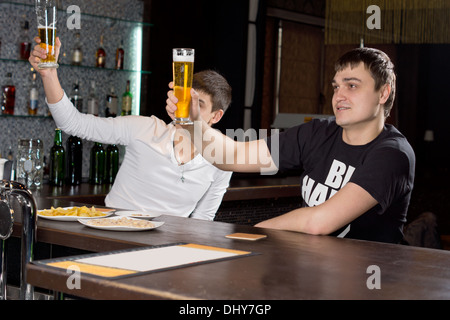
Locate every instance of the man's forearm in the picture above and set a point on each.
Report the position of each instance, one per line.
(52, 87)
(214, 146)
(230, 155)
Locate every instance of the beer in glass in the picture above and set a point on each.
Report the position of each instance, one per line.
(183, 72)
(46, 21)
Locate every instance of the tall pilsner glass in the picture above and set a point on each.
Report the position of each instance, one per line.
(183, 72)
(46, 21)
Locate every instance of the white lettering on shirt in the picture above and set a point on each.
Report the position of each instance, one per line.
(338, 176)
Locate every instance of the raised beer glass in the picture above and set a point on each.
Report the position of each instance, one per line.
(46, 21)
(183, 72)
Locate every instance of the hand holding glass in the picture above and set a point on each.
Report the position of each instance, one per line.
(46, 21)
(183, 72)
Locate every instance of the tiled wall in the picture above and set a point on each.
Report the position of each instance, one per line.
(12, 17)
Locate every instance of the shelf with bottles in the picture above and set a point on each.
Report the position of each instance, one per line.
(25, 116)
(93, 103)
(64, 65)
(117, 33)
(118, 24)
(25, 98)
(64, 11)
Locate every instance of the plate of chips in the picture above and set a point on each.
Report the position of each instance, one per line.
(74, 213)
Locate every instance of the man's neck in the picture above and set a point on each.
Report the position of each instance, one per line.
(363, 133)
(184, 149)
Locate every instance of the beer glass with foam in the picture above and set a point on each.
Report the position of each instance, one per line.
(183, 72)
(46, 21)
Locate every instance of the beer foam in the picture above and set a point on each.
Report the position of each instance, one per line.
(184, 57)
(48, 27)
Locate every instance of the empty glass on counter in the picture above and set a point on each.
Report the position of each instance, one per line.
(30, 156)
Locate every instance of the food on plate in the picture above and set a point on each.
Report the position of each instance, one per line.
(73, 211)
(121, 222)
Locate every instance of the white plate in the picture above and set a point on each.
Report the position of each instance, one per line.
(138, 214)
(76, 218)
(156, 224)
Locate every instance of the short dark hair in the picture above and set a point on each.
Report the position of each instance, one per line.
(216, 86)
(380, 66)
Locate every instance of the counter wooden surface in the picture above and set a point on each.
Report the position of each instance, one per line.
(288, 265)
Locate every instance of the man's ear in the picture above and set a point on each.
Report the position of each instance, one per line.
(385, 92)
(218, 114)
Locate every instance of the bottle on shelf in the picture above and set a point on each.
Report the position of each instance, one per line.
(120, 54)
(57, 161)
(25, 43)
(97, 164)
(34, 97)
(112, 163)
(111, 104)
(92, 104)
(77, 53)
(127, 99)
(74, 147)
(76, 98)
(10, 153)
(100, 55)
(8, 95)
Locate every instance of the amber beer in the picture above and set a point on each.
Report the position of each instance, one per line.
(46, 21)
(48, 37)
(183, 71)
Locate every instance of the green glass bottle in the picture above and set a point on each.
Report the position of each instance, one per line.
(74, 149)
(127, 99)
(57, 161)
(112, 163)
(97, 165)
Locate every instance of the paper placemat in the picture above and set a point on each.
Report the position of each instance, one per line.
(143, 260)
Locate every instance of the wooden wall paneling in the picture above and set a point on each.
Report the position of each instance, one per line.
(300, 68)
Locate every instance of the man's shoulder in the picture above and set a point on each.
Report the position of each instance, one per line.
(392, 141)
(322, 126)
(391, 136)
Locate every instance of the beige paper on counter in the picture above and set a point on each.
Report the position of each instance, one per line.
(147, 260)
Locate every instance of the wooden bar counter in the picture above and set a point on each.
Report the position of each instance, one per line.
(285, 266)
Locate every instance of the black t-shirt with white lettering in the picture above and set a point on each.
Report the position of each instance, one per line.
(384, 168)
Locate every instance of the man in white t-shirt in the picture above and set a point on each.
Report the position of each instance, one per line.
(161, 171)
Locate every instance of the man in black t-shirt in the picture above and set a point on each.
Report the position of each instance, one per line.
(358, 171)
